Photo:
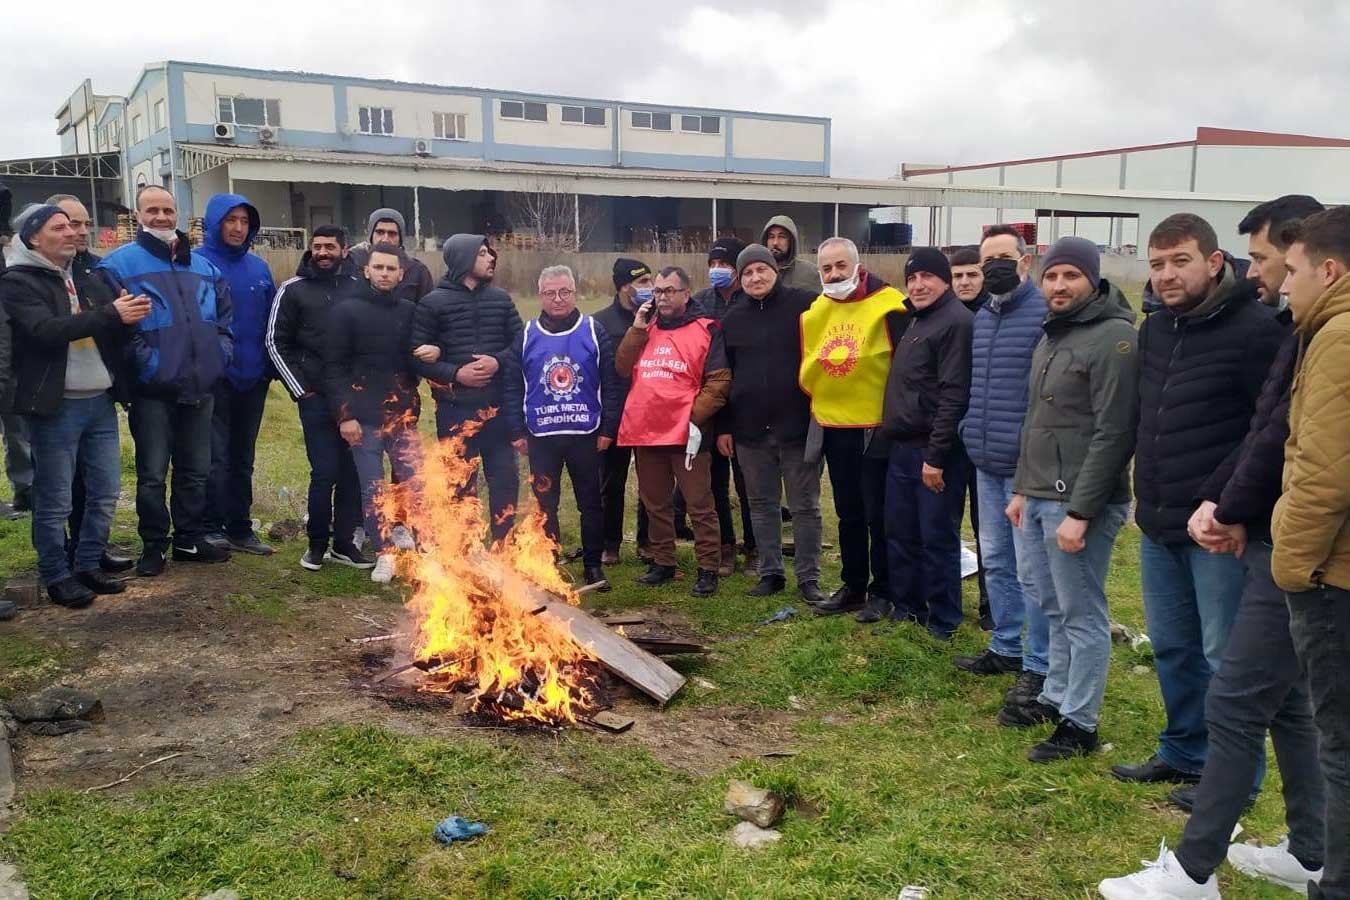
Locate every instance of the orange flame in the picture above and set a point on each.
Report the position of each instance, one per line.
(474, 609)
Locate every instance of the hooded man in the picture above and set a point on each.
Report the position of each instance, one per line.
(68, 340)
(632, 288)
(18, 455)
(229, 227)
(474, 325)
(1072, 489)
(848, 337)
(387, 226)
(177, 354)
(780, 236)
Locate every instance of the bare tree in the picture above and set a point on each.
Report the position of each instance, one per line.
(553, 217)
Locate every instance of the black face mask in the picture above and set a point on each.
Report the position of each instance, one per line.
(1000, 276)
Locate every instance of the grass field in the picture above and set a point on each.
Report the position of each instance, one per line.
(900, 775)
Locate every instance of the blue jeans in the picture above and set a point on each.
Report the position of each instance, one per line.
(1071, 588)
(1012, 590)
(1191, 597)
(87, 430)
(923, 540)
(399, 442)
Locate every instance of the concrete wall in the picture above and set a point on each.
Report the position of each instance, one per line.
(305, 106)
(767, 139)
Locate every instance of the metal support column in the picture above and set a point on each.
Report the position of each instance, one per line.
(417, 220)
(576, 219)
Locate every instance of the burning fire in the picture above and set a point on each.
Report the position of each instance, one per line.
(475, 622)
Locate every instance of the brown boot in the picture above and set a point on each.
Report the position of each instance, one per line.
(728, 566)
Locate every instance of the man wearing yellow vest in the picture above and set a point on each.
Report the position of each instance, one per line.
(848, 336)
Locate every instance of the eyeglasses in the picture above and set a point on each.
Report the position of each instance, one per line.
(559, 294)
(660, 293)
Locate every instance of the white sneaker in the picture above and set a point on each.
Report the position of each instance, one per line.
(1162, 879)
(1274, 864)
(383, 573)
(402, 538)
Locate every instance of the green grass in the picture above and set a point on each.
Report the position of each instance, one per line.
(900, 756)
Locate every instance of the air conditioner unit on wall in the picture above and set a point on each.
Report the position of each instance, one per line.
(268, 135)
(224, 131)
(422, 147)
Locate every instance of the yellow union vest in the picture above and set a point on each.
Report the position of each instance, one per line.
(846, 356)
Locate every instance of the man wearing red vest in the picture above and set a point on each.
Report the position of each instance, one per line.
(680, 379)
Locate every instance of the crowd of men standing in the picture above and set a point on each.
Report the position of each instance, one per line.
(1029, 394)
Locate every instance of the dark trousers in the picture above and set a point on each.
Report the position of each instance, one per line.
(859, 485)
(234, 437)
(334, 488)
(724, 471)
(972, 491)
(1259, 686)
(1319, 622)
(492, 444)
(577, 453)
(660, 471)
(167, 433)
(923, 536)
(18, 454)
(613, 496)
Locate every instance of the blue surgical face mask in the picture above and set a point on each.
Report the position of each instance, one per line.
(720, 277)
(643, 295)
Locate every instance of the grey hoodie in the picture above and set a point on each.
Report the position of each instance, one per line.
(795, 272)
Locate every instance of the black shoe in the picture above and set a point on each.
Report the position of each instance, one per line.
(9, 512)
(114, 564)
(1028, 715)
(811, 593)
(150, 564)
(989, 663)
(706, 585)
(767, 586)
(656, 574)
(1067, 741)
(199, 551)
(1025, 690)
(100, 583)
(1184, 798)
(313, 559)
(844, 600)
(875, 609)
(70, 593)
(217, 539)
(1153, 770)
(595, 575)
(350, 555)
(251, 544)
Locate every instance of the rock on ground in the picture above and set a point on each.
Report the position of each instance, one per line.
(11, 888)
(222, 894)
(57, 704)
(745, 801)
(749, 836)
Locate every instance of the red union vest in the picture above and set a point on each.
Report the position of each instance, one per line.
(666, 379)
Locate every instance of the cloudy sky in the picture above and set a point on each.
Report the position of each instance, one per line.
(936, 81)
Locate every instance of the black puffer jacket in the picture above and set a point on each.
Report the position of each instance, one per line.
(928, 390)
(464, 322)
(764, 348)
(366, 359)
(298, 325)
(1199, 377)
(1247, 484)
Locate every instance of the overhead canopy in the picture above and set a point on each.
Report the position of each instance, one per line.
(107, 166)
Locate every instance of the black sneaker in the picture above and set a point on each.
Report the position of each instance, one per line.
(989, 663)
(199, 551)
(1152, 770)
(843, 600)
(1028, 715)
(595, 575)
(115, 564)
(875, 609)
(150, 564)
(1183, 798)
(70, 593)
(767, 586)
(657, 574)
(811, 593)
(100, 583)
(706, 585)
(350, 556)
(313, 559)
(217, 539)
(252, 545)
(1068, 740)
(1025, 690)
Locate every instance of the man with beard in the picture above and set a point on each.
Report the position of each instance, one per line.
(386, 226)
(781, 237)
(473, 323)
(848, 336)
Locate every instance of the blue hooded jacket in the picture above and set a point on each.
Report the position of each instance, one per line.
(1007, 330)
(251, 290)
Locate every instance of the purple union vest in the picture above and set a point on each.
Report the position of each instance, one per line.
(562, 379)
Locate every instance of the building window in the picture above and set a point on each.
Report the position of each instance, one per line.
(375, 120)
(250, 112)
(452, 126)
(701, 124)
(137, 130)
(523, 110)
(584, 115)
(159, 115)
(654, 121)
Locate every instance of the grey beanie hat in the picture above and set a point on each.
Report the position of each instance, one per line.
(755, 253)
(386, 215)
(1078, 252)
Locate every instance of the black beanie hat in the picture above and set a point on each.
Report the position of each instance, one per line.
(626, 271)
(725, 249)
(931, 260)
(1078, 252)
(30, 221)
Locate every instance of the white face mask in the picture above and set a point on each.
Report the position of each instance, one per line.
(167, 235)
(840, 290)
